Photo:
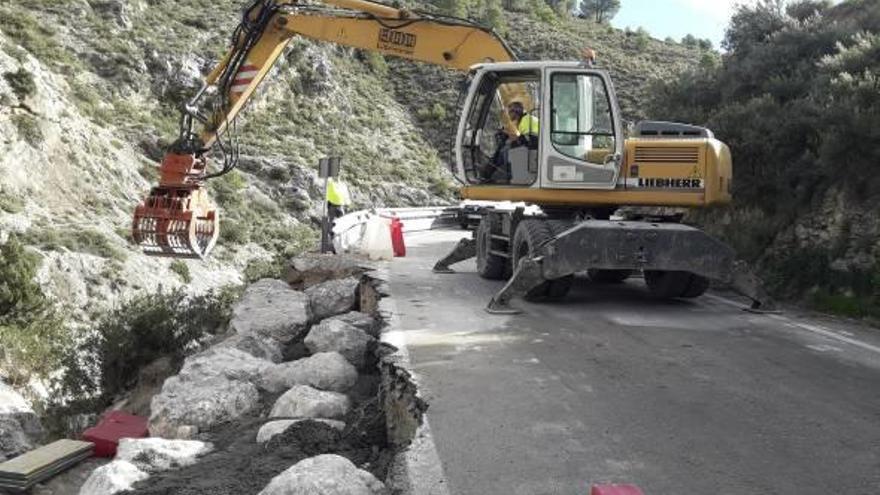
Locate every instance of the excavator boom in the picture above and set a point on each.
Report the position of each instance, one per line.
(178, 219)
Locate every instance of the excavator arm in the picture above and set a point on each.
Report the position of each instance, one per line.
(178, 219)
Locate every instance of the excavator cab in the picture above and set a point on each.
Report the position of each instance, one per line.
(579, 142)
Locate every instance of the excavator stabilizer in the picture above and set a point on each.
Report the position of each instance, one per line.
(177, 219)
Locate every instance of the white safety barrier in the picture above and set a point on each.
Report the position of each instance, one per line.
(349, 231)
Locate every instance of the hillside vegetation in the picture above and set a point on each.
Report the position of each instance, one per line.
(797, 97)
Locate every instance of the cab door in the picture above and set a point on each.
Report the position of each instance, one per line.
(581, 132)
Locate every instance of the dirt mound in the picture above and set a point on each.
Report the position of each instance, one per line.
(240, 466)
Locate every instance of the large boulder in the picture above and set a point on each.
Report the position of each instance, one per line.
(363, 321)
(257, 345)
(311, 269)
(20, 429)
(271, 308)
(303, 401)
(118, 476)
(224, 361)
(273, 428)
(339, 336)
(187, 404)
(327, 474)
(154, 455)
(333, 297)
(324, 371)
(137, 458)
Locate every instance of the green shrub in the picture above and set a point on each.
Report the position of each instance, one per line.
(182, 269)
(436, 113)
(35, 36)
(19, 294)
(377, 64)
(33, 336)
(28, 128)
(10, 204)
(80, 241)
(21, 82)
(138, 332)
(263, 268)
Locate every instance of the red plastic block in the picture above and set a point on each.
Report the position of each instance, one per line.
(397, 237)
(615, 490)
(114, 426)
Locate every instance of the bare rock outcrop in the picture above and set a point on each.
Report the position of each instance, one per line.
(20, 428)
(312, 269)
(271, 308)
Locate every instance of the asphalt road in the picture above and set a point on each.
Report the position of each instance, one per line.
(680, 397)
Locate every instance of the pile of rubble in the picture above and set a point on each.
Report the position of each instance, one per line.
(293, 400)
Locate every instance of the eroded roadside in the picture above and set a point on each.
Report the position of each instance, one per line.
(301, 390)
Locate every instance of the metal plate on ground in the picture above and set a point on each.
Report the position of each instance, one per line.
(38, 465)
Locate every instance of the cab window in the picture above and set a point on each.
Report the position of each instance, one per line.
(581, 119)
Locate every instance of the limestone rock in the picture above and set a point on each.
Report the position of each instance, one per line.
(118, 476)
(312, 269)
(256, 345)
(271, 308)
(226, 362)
(339, 336)
(327, 474)
(303, 401)
(360, 320)
(158, 454)
(273, 428)
(20, 428)
(186, 405)
(324, 371)
(333, 297)
(150, 380)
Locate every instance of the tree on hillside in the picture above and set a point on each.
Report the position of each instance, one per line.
(797, 103)
(599, 10)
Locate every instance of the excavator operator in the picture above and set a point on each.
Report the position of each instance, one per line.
(527, 129)
(527, 126)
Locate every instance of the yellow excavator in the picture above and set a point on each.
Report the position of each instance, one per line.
(567, 180)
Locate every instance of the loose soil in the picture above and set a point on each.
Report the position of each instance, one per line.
(240, 466)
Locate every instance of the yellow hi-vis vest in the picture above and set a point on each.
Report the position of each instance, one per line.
(337, 193)
(528, 124)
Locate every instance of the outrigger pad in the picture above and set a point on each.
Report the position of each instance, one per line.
(527, 276)
(464, 250)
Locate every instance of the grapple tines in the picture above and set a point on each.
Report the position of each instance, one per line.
(177, 222)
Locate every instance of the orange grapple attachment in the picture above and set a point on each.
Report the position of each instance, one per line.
(177, 219)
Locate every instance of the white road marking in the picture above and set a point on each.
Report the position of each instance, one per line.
(816, 329)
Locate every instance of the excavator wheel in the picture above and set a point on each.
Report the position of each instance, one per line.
(489, 266)
(529, 236)
(178, 222)
(608, 276)
(672, 284)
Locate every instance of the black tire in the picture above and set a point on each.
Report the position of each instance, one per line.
(489, 266)
(529, 235)
(698, 286)
(668, 285)
(608, 276)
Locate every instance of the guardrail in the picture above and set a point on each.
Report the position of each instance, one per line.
(348, 230)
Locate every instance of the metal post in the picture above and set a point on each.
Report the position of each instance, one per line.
(327, 168)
